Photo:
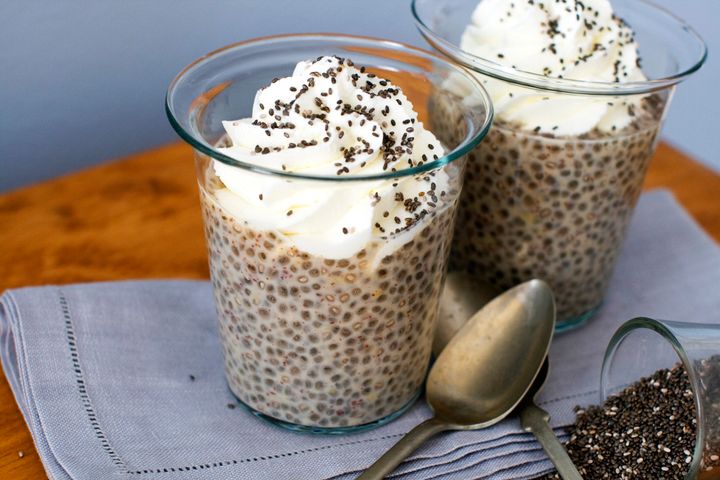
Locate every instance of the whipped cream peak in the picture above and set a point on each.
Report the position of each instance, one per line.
(557, 38)
(332, 119)
(564, 39)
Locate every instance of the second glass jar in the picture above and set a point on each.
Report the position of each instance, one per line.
(551, 197)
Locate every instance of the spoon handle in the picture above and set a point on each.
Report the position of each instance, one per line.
(534, 419)
(408, 444)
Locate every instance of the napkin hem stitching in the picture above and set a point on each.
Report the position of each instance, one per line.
(72, 343)
(226, 463)
(568, 397)
(82, 387)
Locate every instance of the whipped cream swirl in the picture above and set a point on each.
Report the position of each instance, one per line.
(573, 39)
(332, 119)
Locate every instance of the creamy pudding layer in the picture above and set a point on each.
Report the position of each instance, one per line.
(324, 342)
(551, 208)
(327, 291)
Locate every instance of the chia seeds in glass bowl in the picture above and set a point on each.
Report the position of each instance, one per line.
(649, 430)
(659, 416)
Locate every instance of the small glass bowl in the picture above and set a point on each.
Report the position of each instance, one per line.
(642, 346)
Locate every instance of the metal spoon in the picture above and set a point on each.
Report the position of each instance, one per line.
(456, 306)
(485, 371)
(462, 297)
(534, 419)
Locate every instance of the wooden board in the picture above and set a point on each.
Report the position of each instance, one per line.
(139, 218)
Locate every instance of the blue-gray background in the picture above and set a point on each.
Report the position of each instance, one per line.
(83, 81)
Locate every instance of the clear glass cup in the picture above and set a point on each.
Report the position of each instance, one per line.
(555, 206)
(319, 344)
(642, 346)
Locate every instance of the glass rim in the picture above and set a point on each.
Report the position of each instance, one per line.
(471, 140)
(564, 85)
(662, 328)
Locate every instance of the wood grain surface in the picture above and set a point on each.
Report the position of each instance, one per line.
(139, 218)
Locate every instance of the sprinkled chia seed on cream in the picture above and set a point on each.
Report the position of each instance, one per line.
(348, 121)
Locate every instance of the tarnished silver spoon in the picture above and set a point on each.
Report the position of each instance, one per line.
(536, 420)
(484, 371)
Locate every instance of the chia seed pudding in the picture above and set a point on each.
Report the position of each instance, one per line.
(550, 191)
(556, 208)
(327, 291)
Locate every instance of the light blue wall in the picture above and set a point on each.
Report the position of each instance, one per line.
(83, 81)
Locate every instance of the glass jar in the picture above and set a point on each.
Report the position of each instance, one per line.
(549, 203)
(314, 340)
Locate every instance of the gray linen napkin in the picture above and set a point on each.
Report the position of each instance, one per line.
(124, 380)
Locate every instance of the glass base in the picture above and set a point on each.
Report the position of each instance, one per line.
(575, 322)
(295, 427)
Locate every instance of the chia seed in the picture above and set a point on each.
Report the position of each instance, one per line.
(540, 204)
(648, 430)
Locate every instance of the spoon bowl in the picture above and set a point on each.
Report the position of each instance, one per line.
(489, 365)
(457, 306)
(485, 370)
